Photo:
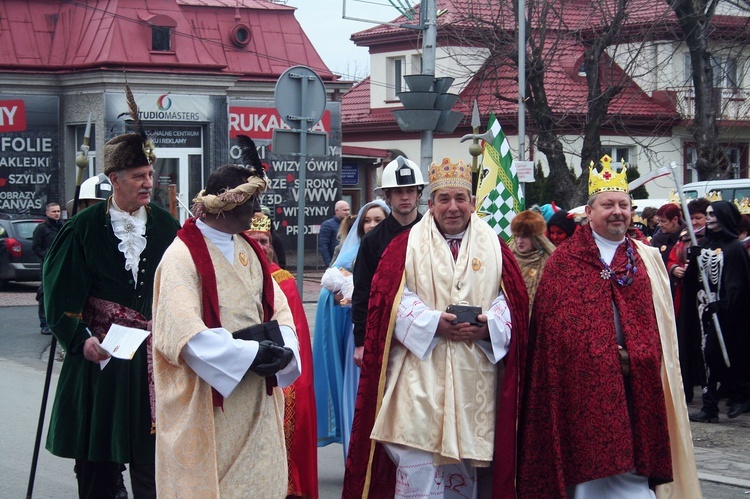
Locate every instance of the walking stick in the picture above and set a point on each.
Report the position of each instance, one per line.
(82, 162)
(704, 277)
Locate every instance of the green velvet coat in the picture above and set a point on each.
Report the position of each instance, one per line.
(101, 415)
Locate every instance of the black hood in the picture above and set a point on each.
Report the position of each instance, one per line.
(728, 216)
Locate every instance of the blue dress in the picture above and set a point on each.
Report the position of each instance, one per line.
(336, 375)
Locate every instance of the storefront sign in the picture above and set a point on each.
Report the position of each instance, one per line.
(160, 107)
(260, 122)
(323, 178)
(349, 174)
(29, 176)
(175, 137)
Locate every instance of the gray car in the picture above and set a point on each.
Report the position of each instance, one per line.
(17, 261)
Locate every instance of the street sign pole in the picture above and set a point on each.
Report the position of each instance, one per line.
(300, 100)
(302, 184)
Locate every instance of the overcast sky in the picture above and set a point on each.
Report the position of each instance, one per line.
(322, 21)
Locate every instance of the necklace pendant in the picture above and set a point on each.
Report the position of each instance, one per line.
(606, 274)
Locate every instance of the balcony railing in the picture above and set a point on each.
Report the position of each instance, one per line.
(734, 104)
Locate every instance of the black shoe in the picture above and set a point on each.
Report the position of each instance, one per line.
(120, 491)
(739, 408)
(46, 331)
(704, 417)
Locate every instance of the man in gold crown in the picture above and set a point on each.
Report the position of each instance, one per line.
(431, 406)
(603, 412)
(224, 343)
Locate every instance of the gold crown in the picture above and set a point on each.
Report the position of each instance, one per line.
(607, 180)
(743, 206)
(260, 223)
(448, 174)
(713, 196)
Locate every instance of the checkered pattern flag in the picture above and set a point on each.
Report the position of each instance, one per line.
(499, 195)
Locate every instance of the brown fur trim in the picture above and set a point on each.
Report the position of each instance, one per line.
(528, 224)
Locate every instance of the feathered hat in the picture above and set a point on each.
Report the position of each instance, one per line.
(129, 150)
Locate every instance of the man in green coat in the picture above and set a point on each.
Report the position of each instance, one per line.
(100, 271)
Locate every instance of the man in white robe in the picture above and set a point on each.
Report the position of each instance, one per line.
(445, 372)
(219, 420)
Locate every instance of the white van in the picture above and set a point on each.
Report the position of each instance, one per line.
(653, 202)
(730, 190)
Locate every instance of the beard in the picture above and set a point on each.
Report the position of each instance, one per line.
(617, 230)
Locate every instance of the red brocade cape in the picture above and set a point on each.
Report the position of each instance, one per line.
(300, 427)
(575, 425)
(369, 470)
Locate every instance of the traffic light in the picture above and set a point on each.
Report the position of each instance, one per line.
(427, 105)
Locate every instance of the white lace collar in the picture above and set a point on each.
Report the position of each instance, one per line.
(131, 231)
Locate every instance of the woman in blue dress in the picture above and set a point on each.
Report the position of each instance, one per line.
(336, 375)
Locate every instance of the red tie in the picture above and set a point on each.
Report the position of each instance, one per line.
(454, 245)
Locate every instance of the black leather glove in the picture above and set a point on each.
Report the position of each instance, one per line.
(271, 358)
(693, 252)
(713, 307)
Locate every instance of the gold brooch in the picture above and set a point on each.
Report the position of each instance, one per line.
(243, 259)
(663, 248)
(476, 264)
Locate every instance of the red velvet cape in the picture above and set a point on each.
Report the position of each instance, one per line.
(382, 472)
(575, 425)
(300, 427)
(191, 235)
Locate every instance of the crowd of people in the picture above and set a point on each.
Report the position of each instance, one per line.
(446, 362)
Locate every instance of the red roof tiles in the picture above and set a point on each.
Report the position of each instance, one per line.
(58, 35)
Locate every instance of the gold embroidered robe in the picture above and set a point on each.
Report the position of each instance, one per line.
(445, 403)
(204, 451)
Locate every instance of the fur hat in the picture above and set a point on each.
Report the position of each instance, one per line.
(128, 150)
(528, 224)
(560, 219)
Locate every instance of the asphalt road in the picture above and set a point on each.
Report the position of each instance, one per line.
(23, 363)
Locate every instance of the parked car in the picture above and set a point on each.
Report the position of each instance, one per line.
(17, 261)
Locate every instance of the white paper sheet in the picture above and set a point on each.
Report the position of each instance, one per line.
(122, 342)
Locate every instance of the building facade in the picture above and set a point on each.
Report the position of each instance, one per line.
(202, 72)
(648, 123)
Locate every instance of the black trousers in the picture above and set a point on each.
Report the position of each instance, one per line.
(98, 479)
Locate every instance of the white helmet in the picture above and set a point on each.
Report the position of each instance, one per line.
(401, 172)
(96, 187)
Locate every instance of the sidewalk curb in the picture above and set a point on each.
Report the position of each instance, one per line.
(725, 480)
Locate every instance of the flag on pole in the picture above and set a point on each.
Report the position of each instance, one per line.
(499, 195)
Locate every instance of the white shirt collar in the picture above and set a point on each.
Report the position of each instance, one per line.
(223, 241)
(606, 247)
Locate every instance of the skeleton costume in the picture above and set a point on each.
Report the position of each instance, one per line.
(727, 266)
